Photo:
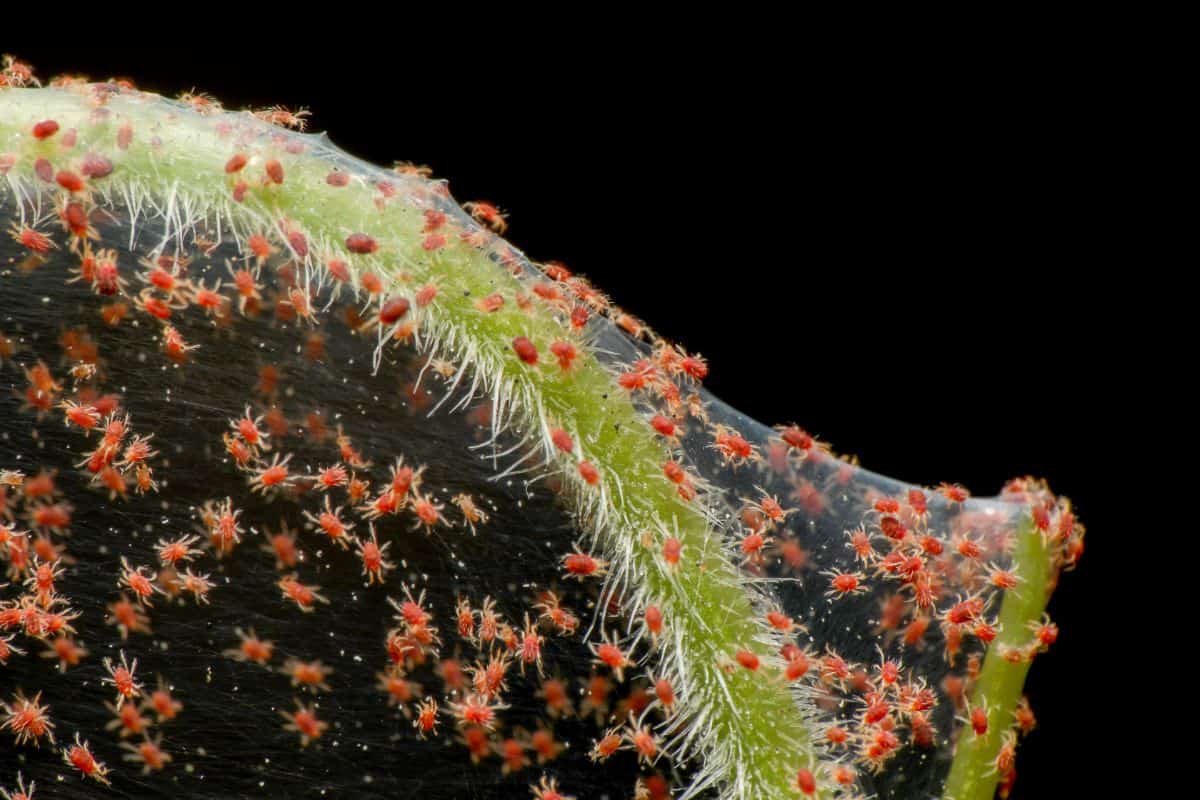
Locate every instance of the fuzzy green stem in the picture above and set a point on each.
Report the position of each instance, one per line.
(973, 775)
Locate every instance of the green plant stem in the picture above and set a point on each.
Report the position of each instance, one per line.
(973, 775)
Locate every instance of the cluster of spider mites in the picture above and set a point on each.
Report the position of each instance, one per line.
(935, 586)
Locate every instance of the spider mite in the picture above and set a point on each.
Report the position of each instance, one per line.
(581, 565)
(489, 621)
(251, 648)
(302, 595)
(375, 563)
(609, 653)
(330, 522)
(531, 647)
(734, 449)
(172, 551)
(558, 702)
(304, 721)
(28, 720)
(273, 476)
(489, 679)
(589, 473)
(148, 753)
(427, 512)
(128, 617)
(83, 416)
(394, 682)
(476, 711)
(752, 546)
(8, 649)
(547, 789)
(643, 741)
(138, 582)
(842, 584)
(977, 717)
(487, 214)
(953, 492)
(162, 703)
(309, 675)
(427, 718)
(22, 792)
(121, 677)
(561, 618)
(512, 751)
(472, 514)
(198, 585)
(79, 756)
(248, 429)
(525, 350)
(565, 353)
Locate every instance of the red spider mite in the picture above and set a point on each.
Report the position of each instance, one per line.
(582, 565)
(565, 352)
(235, 163)
(426, 294)
(530, 646)
(434, 219)
(780, 621)
(654, 620)
(547, 789)
(302, 595)
(493, 302)
(393, 310)
(488, 214)
(953, 492)
(305, 722)
(805, 781)
(663, 425)
(752, 545)
(274, 171)
(28, 720)
(149, 753)
(525, 350)
(845, 583)
(562, 440)
(44, 170)
(589, 473)
(138, 582)
(373, 558)
(1045, 631)
(607, 652)
(361, 243)
(70, 181)
(95, 166)
(672, 549)
(85, 417)
(45, 129)
(271, 476)
(32, 240)
(79, 756)
(121, 677)
(643, 741)
(476, 711)
(748, 659)
(606, 746)
(979, 721)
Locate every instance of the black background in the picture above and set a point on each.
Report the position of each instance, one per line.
(901, 255)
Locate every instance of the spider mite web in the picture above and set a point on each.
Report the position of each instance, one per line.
(312, 379)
